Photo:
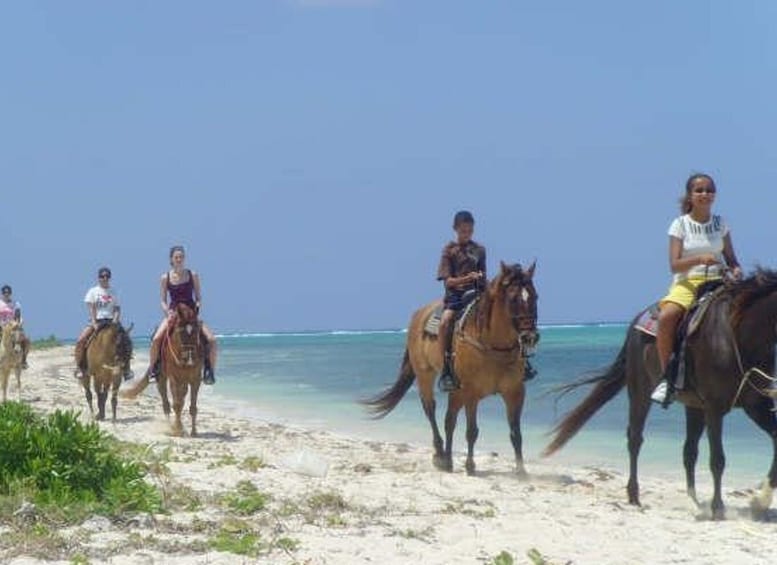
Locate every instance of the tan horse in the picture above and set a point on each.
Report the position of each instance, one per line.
(490, 348)
(182, 355)
(107, 353)
(11, 357)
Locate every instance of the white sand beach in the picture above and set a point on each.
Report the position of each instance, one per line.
(384, 503)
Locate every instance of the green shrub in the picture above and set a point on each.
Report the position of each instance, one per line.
(45, 343)
(60, 462)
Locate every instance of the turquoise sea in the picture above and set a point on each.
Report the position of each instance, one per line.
(316, 379)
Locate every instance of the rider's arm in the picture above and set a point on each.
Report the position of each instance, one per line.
(163, 294)
(117, 314)
(458, 282)
(92, 307)
(679, 264)
(197, 290)
(731, 256)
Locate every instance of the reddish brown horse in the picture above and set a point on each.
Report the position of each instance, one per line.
(490, 348)
(182, 358)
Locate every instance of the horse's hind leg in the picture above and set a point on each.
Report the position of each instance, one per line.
(102, 398)
(763, 416)
(639, 406)
(471, 411)
(430, 409)
(19, 384)
(115, 397)
(194, 391)
(454, 405)
(694, 427)
(86, 383)
(514, 406)
(714, 421)
(161, 386)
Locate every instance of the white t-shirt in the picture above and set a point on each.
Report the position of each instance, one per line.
(700, 239)
(105, 300)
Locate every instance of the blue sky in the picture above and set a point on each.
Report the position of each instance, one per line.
(310, 153)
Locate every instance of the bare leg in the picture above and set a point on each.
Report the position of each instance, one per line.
(670, 316)
(154, 351)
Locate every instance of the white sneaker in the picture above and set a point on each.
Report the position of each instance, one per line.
(660, 393)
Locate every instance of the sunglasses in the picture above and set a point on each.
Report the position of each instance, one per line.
(704, 191)
(105, 277)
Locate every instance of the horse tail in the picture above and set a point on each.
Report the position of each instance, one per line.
(609, 383)
(137, 388)
(380, 405)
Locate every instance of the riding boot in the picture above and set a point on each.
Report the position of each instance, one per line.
(448, 382)
(529, 372)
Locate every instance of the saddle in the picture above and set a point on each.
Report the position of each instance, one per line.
(432, 326)
(647, 323)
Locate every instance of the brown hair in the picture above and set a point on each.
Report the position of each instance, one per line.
(686, 204)
(174, 249)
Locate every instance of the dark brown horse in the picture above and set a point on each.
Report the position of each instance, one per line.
(490, 349)
(182, 358)
(729, 359)
(108, 353)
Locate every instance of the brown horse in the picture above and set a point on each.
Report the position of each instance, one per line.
(11, 351)
(107, 354)
(729, 363)
(490, 347)
(182, 356)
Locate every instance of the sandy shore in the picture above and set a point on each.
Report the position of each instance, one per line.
(370, 502)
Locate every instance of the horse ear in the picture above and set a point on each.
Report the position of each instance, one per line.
(530, 270)
(503, 266)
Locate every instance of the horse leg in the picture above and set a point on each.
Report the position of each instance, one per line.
(102, 397)
(694, 427)
(426, 392)
(86, 383)
(471, 411)
(454, 405)
(639, 406)
(179, 394)
(19, 383)
(194, 391)
(115, 397)
(714, 421)
(514, 406)
(5, 386)
(763, 416)
(161, 386)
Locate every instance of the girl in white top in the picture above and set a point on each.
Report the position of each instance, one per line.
(699, 248)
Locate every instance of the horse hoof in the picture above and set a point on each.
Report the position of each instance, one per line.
(718, 514)
(470, 466)
(443, 463)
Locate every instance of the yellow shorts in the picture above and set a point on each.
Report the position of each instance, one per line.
(683, 293)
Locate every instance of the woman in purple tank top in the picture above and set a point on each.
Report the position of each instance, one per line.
(181, 286)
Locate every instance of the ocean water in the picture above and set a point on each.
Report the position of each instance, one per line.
(316, 379)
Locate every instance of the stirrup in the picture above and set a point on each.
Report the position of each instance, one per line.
(447, 382)
(529, 372)
(208, 377)
(662, 395)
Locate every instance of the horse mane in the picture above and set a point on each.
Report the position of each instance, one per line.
(750, 290)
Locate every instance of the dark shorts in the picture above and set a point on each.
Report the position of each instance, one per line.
(457, 300)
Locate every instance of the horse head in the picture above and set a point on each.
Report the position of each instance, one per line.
(187, 331)
(514, 285)
(13, 337)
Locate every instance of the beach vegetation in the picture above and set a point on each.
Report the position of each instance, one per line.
(45, 343)
(537, 558)
(288, 545)
(68, 469)
(252, 464)
(244, 542)
(426, 535)
(504, 558)
(472, 508)
(79, 559)
(245, 499)
(224, 461)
